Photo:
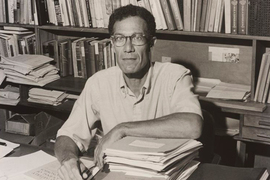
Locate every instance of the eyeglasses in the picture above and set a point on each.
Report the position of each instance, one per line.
(136, 39)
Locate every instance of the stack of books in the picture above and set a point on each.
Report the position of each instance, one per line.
(29, 69)
(153, 158)
(43, 96)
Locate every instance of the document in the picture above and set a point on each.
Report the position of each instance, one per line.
(7, 148)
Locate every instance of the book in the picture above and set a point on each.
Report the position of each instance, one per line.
(176, 14)
(160, 14)
(198, 15)
(99, 14)
(64, 12)
(42, 10)
(106, 12)
(265, 72)
(156, 14)
(165, 4)
(234, 16)
(187, 15)
(207, 171)
(65, 57)
(84, 11)
(217, 15)
(70, 12)
(260, 76)
(208, 13)
(90, 57)
(203, 15)
(242, 16)
(92, 12)
(227, 13)
(50, 49)
(212, 15)
(76, 57)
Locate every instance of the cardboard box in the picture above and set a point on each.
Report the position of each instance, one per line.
(27, 124)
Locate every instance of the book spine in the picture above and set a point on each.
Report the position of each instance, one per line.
(177, 19)
(187, 15)
(101, 64)
(42, 10)
(212, 16)
(234, 15)
(168, 14)
(88, 13)
(203, 15)
(198, 15)
(242, 16)
(92, 11)
(83, 61)
(227, 4)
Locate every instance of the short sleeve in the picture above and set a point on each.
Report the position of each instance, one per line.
(183, 99)
(79, 124)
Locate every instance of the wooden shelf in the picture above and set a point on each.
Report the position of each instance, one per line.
(18, 25)
(67, 84)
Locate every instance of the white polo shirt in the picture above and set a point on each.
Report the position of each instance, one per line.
(106, 97)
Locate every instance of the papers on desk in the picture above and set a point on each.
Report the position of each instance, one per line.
(6, 149)
(150, 157)
(35, 166)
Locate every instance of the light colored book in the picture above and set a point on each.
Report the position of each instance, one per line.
(227, 13)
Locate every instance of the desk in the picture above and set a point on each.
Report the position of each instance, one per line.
(204, 171)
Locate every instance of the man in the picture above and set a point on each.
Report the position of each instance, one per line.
(135, 98)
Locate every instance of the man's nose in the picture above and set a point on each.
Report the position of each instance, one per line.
(128, 47)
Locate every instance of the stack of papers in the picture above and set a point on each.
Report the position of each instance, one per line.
(204, 85)
(10, 95)
(29, 69)
(154, 158)
(43, 96)
(7, 147)
(230, 91)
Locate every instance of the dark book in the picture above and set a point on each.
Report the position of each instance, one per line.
(90, 57)
(234, 13)
(42, 11)
(203, 15)
(88, 12)
(242, 16)
(65, 59)
(74, 12)
(50, 49)
(207, 171)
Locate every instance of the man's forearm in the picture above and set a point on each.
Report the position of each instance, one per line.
(177, 125)
(65, 149)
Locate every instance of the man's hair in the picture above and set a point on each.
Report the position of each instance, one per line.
(129, 11)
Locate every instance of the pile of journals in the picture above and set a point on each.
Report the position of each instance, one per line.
(29, 69)
(43, 96)
(153, 158)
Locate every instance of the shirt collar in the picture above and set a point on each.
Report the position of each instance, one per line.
(147, 85)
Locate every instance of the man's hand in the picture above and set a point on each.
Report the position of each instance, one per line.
(69, 170)
(114, 135)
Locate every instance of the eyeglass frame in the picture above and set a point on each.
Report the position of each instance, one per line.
(130, 37)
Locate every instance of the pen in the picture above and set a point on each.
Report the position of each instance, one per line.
(3, 144)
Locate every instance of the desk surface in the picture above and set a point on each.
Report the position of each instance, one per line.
(204, 170)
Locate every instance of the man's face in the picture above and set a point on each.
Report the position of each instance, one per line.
(131, 58)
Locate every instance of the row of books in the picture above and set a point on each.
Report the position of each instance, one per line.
(13, 43)
(19, 11)
(263, 82)
(80, 57)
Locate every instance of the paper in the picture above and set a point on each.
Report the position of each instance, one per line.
(2, 76)
(12, 166)
(146, 144)
(222, 54)
(4, 150)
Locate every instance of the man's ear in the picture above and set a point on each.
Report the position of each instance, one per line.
(153, 41)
